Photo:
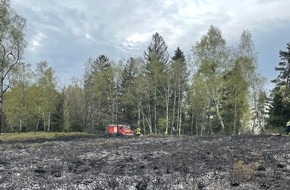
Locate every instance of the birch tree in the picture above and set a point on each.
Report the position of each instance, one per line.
(178, 78)
(211, 58)
(16, 104)
(199, 103)
(247, 58)
(46, 95)
(12, 45)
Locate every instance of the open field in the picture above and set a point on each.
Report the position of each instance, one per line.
(39, 136)
(241, 162)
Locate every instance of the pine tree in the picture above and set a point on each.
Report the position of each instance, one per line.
(128, 92)
(280, 95)
(156, 77)
(100, 94)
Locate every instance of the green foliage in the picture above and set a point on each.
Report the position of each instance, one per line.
(178, 76)
(130, 91)
(29, 105)
(235, 98)
(211, 59)
(280, 99)
(12, 44)
(279, 110)
(46, 95)
(199, 102)
(100, 94)
(224, 84)
(154, 93)
(58, 117)
(162, 123)
(75, 106)
(76, 128)
(156, 80)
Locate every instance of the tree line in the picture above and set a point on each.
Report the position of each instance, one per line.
(217, 91)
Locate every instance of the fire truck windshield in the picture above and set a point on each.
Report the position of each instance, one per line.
(126, 127)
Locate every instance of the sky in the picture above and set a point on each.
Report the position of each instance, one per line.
(67, 33)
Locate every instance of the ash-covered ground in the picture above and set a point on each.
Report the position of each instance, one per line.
(237, 162)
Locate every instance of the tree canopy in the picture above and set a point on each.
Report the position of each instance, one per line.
(216, 89)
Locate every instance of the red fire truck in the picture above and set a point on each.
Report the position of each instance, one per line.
(119, 130)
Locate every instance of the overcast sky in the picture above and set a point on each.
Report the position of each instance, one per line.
(66, 33)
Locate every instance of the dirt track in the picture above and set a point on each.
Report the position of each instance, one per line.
(242, 162)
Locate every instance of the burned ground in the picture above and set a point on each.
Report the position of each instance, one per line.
(240, 162)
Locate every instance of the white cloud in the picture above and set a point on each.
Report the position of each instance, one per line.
(88, 36)
(122, 27)
(36, 41)
(137, 37)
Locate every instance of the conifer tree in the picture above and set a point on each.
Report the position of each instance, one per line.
(280, 96)
(156, 77)
(100, 94)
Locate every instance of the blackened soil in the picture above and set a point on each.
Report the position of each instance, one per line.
(240, 162)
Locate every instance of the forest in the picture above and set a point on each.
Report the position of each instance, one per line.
(217, 91)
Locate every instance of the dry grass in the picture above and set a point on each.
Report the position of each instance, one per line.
(38, 135)
(243, 171)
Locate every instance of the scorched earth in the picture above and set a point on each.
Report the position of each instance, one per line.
(232, 162)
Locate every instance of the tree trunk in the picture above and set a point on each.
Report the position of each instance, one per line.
(139, 115)
(167, 115)
(173, 111)
(167, 107)
(149, 116)
(236, 113)
(48, 122)
(180, 121)
(202, 121)
(21, 114)
(38, 118)
(143, 121)
(1, 93)
(155, 111)
(196, 127)
(43, 120)
(191, 124)
(179, 108)
(219, 116)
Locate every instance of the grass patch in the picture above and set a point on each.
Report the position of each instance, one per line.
(243, 172)
(6, 137)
